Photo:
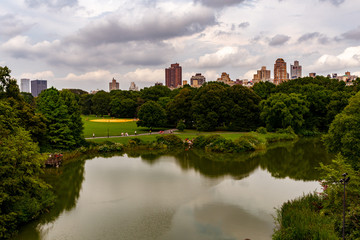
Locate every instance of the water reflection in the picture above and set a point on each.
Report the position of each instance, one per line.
(177, 192)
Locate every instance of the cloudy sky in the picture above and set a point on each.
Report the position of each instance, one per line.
(85, 43)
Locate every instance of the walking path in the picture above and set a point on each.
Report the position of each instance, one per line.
(140, 134)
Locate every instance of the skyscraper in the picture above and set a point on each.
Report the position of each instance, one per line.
(173, 76)
(295, 70)
(280, 74)
(37, 86)
(262, 75)
(113, 85)
(25, 85)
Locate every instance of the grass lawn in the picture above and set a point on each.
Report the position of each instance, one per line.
(101, 129)
(185, 134)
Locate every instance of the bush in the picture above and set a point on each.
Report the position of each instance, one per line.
(261, 130)
(113, 147)
(170, 140)
(287, 130)
(301, 219)
(134, 142)
(202, 141)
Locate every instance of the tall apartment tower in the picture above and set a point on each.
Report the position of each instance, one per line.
(25, 85)
(280, 74)
(37, 86)
(173, 76)
(262, 75)
(113, 85)
(295, 70)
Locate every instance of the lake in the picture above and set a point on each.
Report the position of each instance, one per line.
(178, 194)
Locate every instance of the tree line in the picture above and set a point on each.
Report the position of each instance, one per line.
(305, 104)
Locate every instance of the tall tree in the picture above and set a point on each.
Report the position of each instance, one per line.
(76, 125)
(344, 132)
(180, 108)
(53, 107)
(23, 195)
(243, 108)
(151, 114)
(208, 106)
(283, 110)
(123, 107)
(101, 103)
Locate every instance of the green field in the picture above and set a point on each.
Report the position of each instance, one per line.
(186, 134)
(102, 129)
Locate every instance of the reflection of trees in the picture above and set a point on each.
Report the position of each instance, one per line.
(296, 160)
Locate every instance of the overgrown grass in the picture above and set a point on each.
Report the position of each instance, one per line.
(301, 219)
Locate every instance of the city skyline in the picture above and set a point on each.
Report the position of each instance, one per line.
(75, 42)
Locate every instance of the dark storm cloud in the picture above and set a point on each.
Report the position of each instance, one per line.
(335, 2)
(153, 27)
(55, 4)
(352, 34)
(244, 25)
(12, 26)
(279, 40)
(220, 3)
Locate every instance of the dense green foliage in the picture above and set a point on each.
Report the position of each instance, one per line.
(344, 132)
(23, 195)
(151, 115)
(300, 219)
(218, 106)
(63, 120)
(283, 110)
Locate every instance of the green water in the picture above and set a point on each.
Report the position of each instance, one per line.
(178, 195)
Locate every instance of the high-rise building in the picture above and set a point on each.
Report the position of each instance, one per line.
(37, 86)
(133, 87)
(173, 76)
(280, 74)
(197, 80)
(25, 85)
(113, 85)
(295, 70)
(262, 75)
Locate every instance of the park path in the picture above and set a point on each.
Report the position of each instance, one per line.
(140, 134)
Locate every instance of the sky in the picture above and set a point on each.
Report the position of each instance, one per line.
(85, 43)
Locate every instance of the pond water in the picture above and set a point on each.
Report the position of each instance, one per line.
(178, 195)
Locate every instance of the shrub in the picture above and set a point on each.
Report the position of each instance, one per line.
(261, 130)
(202, 141)
(287, 130)
(170, 140)
(134, 142)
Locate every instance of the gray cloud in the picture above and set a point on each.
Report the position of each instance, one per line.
(112, 40)
(308, 36)
(12, 26)
(352, 34)
(220, 3)
(153, 27)
(334, 2)
(55, 4)
(244, 25)
(321, 38)
(278, 40)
